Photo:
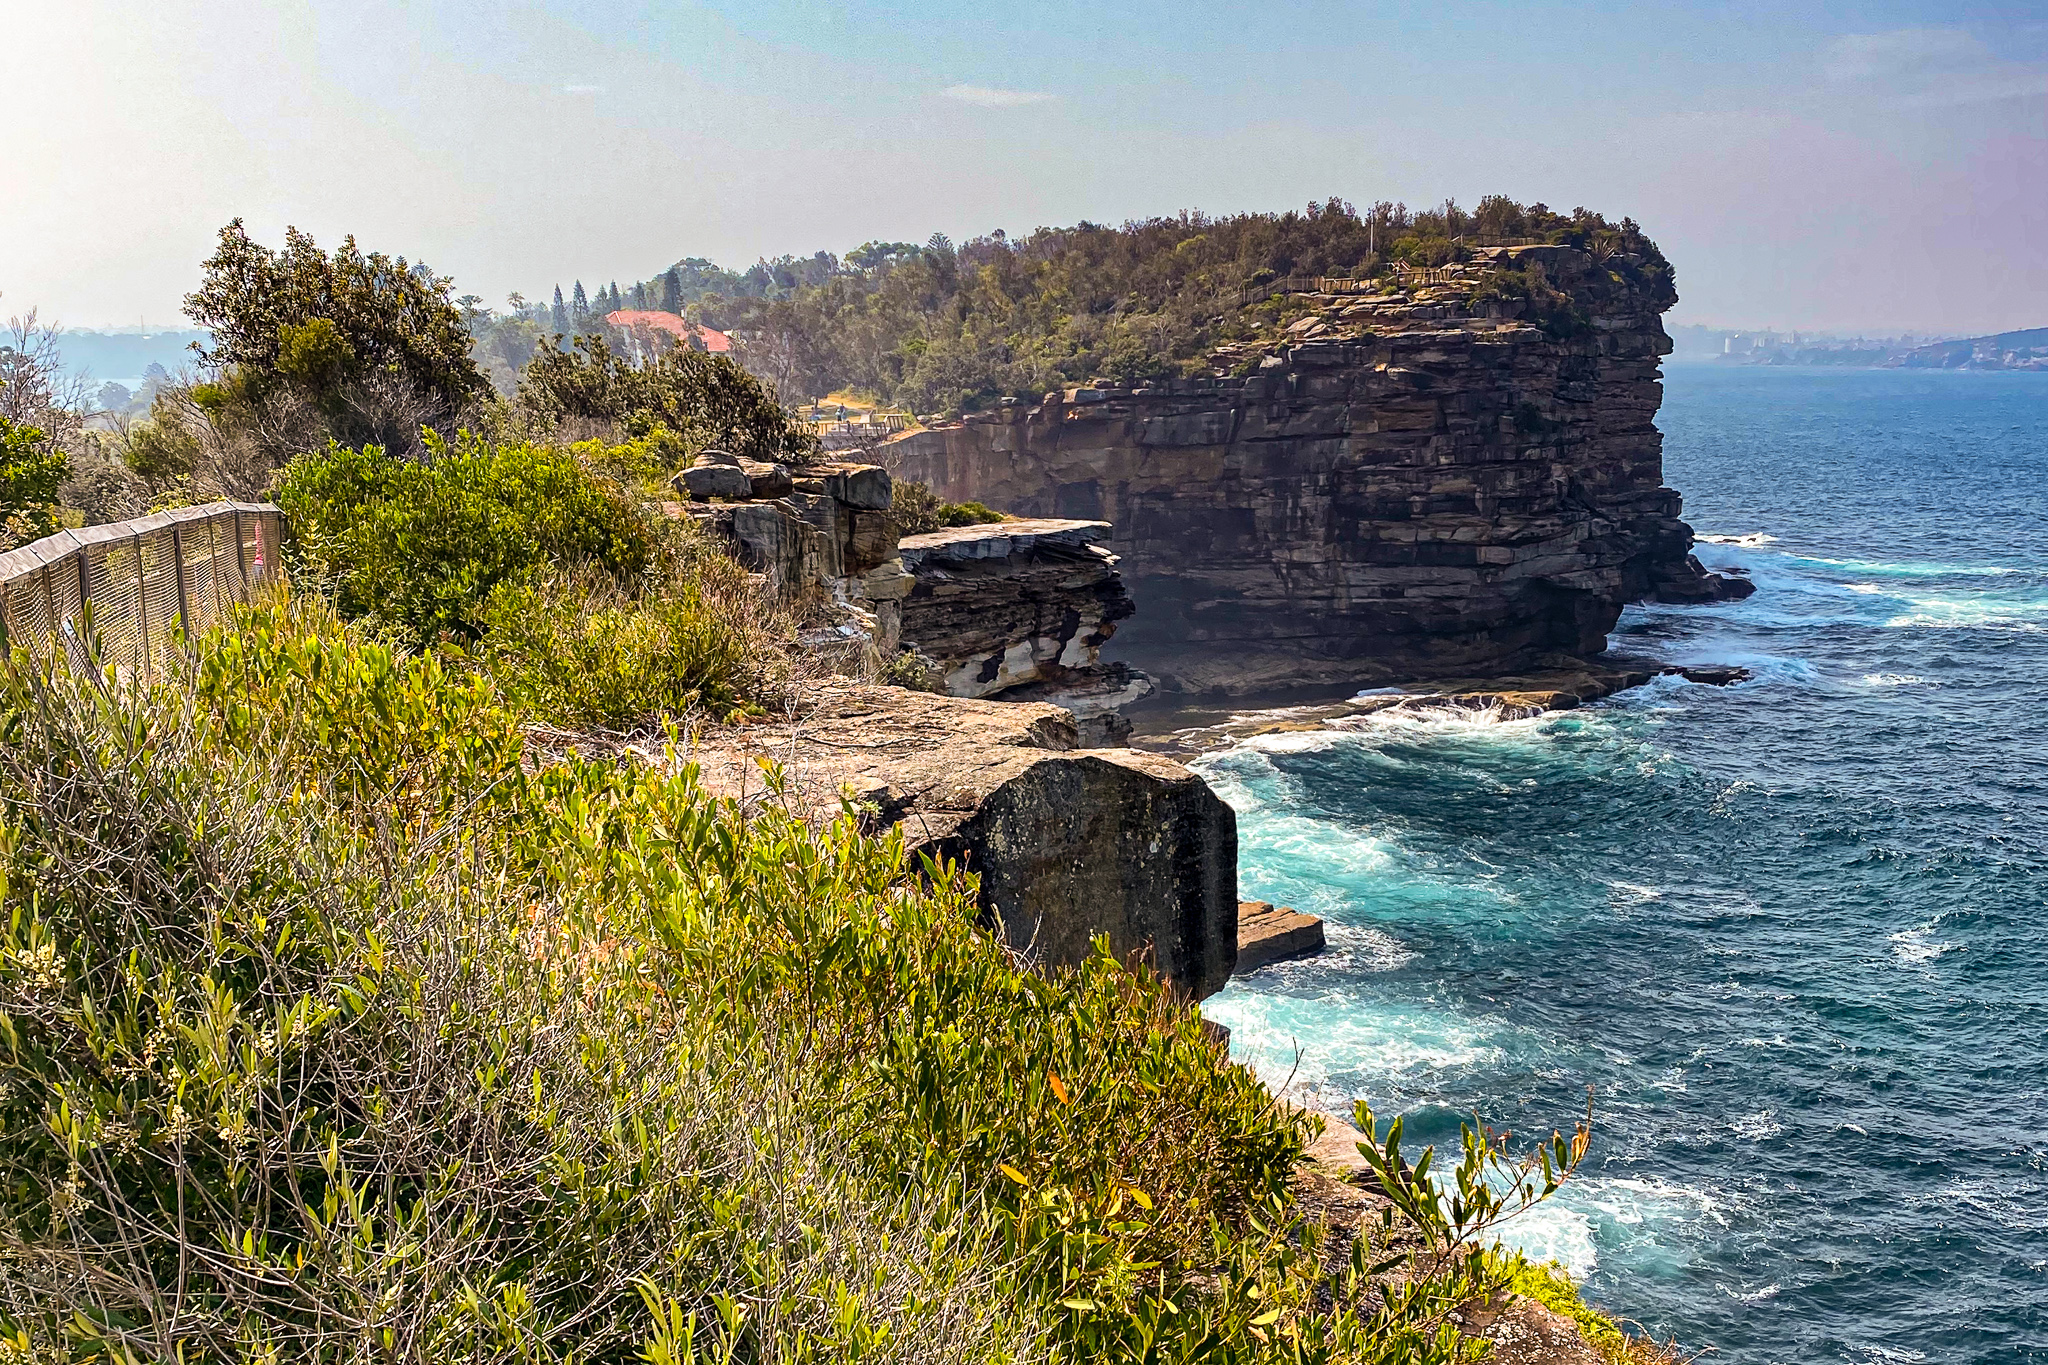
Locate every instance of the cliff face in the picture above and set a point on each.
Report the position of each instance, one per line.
(1422, 482)
(1021, 610)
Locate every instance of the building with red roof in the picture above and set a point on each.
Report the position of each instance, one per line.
(644, 322)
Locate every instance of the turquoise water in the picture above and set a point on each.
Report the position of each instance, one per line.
(1794, 932)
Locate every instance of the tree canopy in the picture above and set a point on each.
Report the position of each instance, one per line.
(370, 344)
(705, 399)
(947, 326)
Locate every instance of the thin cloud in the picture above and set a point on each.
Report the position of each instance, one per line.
(1903, 52)
(987, 97)
(583, 90)
(1930, 67)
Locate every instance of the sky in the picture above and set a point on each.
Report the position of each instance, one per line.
(1868, 167)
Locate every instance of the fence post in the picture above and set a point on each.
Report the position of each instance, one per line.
(178, 570)
(84, 577)
(141, 604)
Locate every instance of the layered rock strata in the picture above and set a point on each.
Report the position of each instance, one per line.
(1021, 609)
(1067, 843)
(1425, 482)
(1269, 933)
(824, 530)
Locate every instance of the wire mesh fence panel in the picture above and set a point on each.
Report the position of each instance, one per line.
(195, 552)
(115, 590)
(160, 612)
(144, 580)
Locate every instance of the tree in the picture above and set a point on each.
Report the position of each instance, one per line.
(31, 467)
(558, 316)
(307, 346)
(707, 400)
(34, 389)
(579, 307)
(672, 291)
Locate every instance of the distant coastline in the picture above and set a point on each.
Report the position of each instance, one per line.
(2019, 350)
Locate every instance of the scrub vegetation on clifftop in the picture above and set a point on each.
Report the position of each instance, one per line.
(344, 1020)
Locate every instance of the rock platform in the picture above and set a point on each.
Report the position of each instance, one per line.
(1268, 933)
(1067, 842)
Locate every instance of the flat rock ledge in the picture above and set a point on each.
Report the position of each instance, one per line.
(1268, 933)
(1511, 698)
(1068, 843)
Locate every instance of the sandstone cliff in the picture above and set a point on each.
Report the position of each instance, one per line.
(1068, 843)
(1021, 610)
(1461, 475)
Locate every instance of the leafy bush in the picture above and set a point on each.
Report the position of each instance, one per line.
(31, 468)
(707, 400)
(366, 349)
(416, 545)
(333, 1029)
(917, 510)
(590, 653)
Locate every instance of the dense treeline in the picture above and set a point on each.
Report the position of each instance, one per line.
(946, 327)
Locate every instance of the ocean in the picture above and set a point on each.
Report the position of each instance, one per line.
(1794, 932)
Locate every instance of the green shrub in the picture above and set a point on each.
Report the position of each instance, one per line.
(416, 546)
(31, 468)
(578, 652)
(917, 510)
(705, 400)
(334, 1029)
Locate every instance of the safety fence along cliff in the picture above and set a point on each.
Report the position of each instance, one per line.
(143, 579)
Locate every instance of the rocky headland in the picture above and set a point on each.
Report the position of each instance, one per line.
(1456, 474)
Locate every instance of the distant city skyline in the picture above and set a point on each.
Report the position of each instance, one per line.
(1876, 168)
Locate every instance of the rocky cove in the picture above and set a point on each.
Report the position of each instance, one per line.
(1436, 484)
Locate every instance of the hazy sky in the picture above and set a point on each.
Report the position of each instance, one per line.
(1850, 166)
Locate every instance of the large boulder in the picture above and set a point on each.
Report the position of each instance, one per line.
(1067, 843)
(702, 482)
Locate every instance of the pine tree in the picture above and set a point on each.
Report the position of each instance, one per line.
(579, 307)
(640, 296)
(558, 316)
(615, 304)
(672, 291)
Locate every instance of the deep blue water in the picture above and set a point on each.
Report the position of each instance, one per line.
(1795, 932)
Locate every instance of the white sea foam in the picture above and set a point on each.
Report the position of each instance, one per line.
(1896, 680)
(1490, 720)
(1625, 896)
(1911, 568)
(1752, 539)
(1914, 946)
(1757, 1127)
(1363, 949)
(1629, 1216)
(1552, 1232)
(1333, 850)
(1301, 1043)
(1769, 1291)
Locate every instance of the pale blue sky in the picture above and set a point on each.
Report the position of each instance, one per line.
(1872, 166)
